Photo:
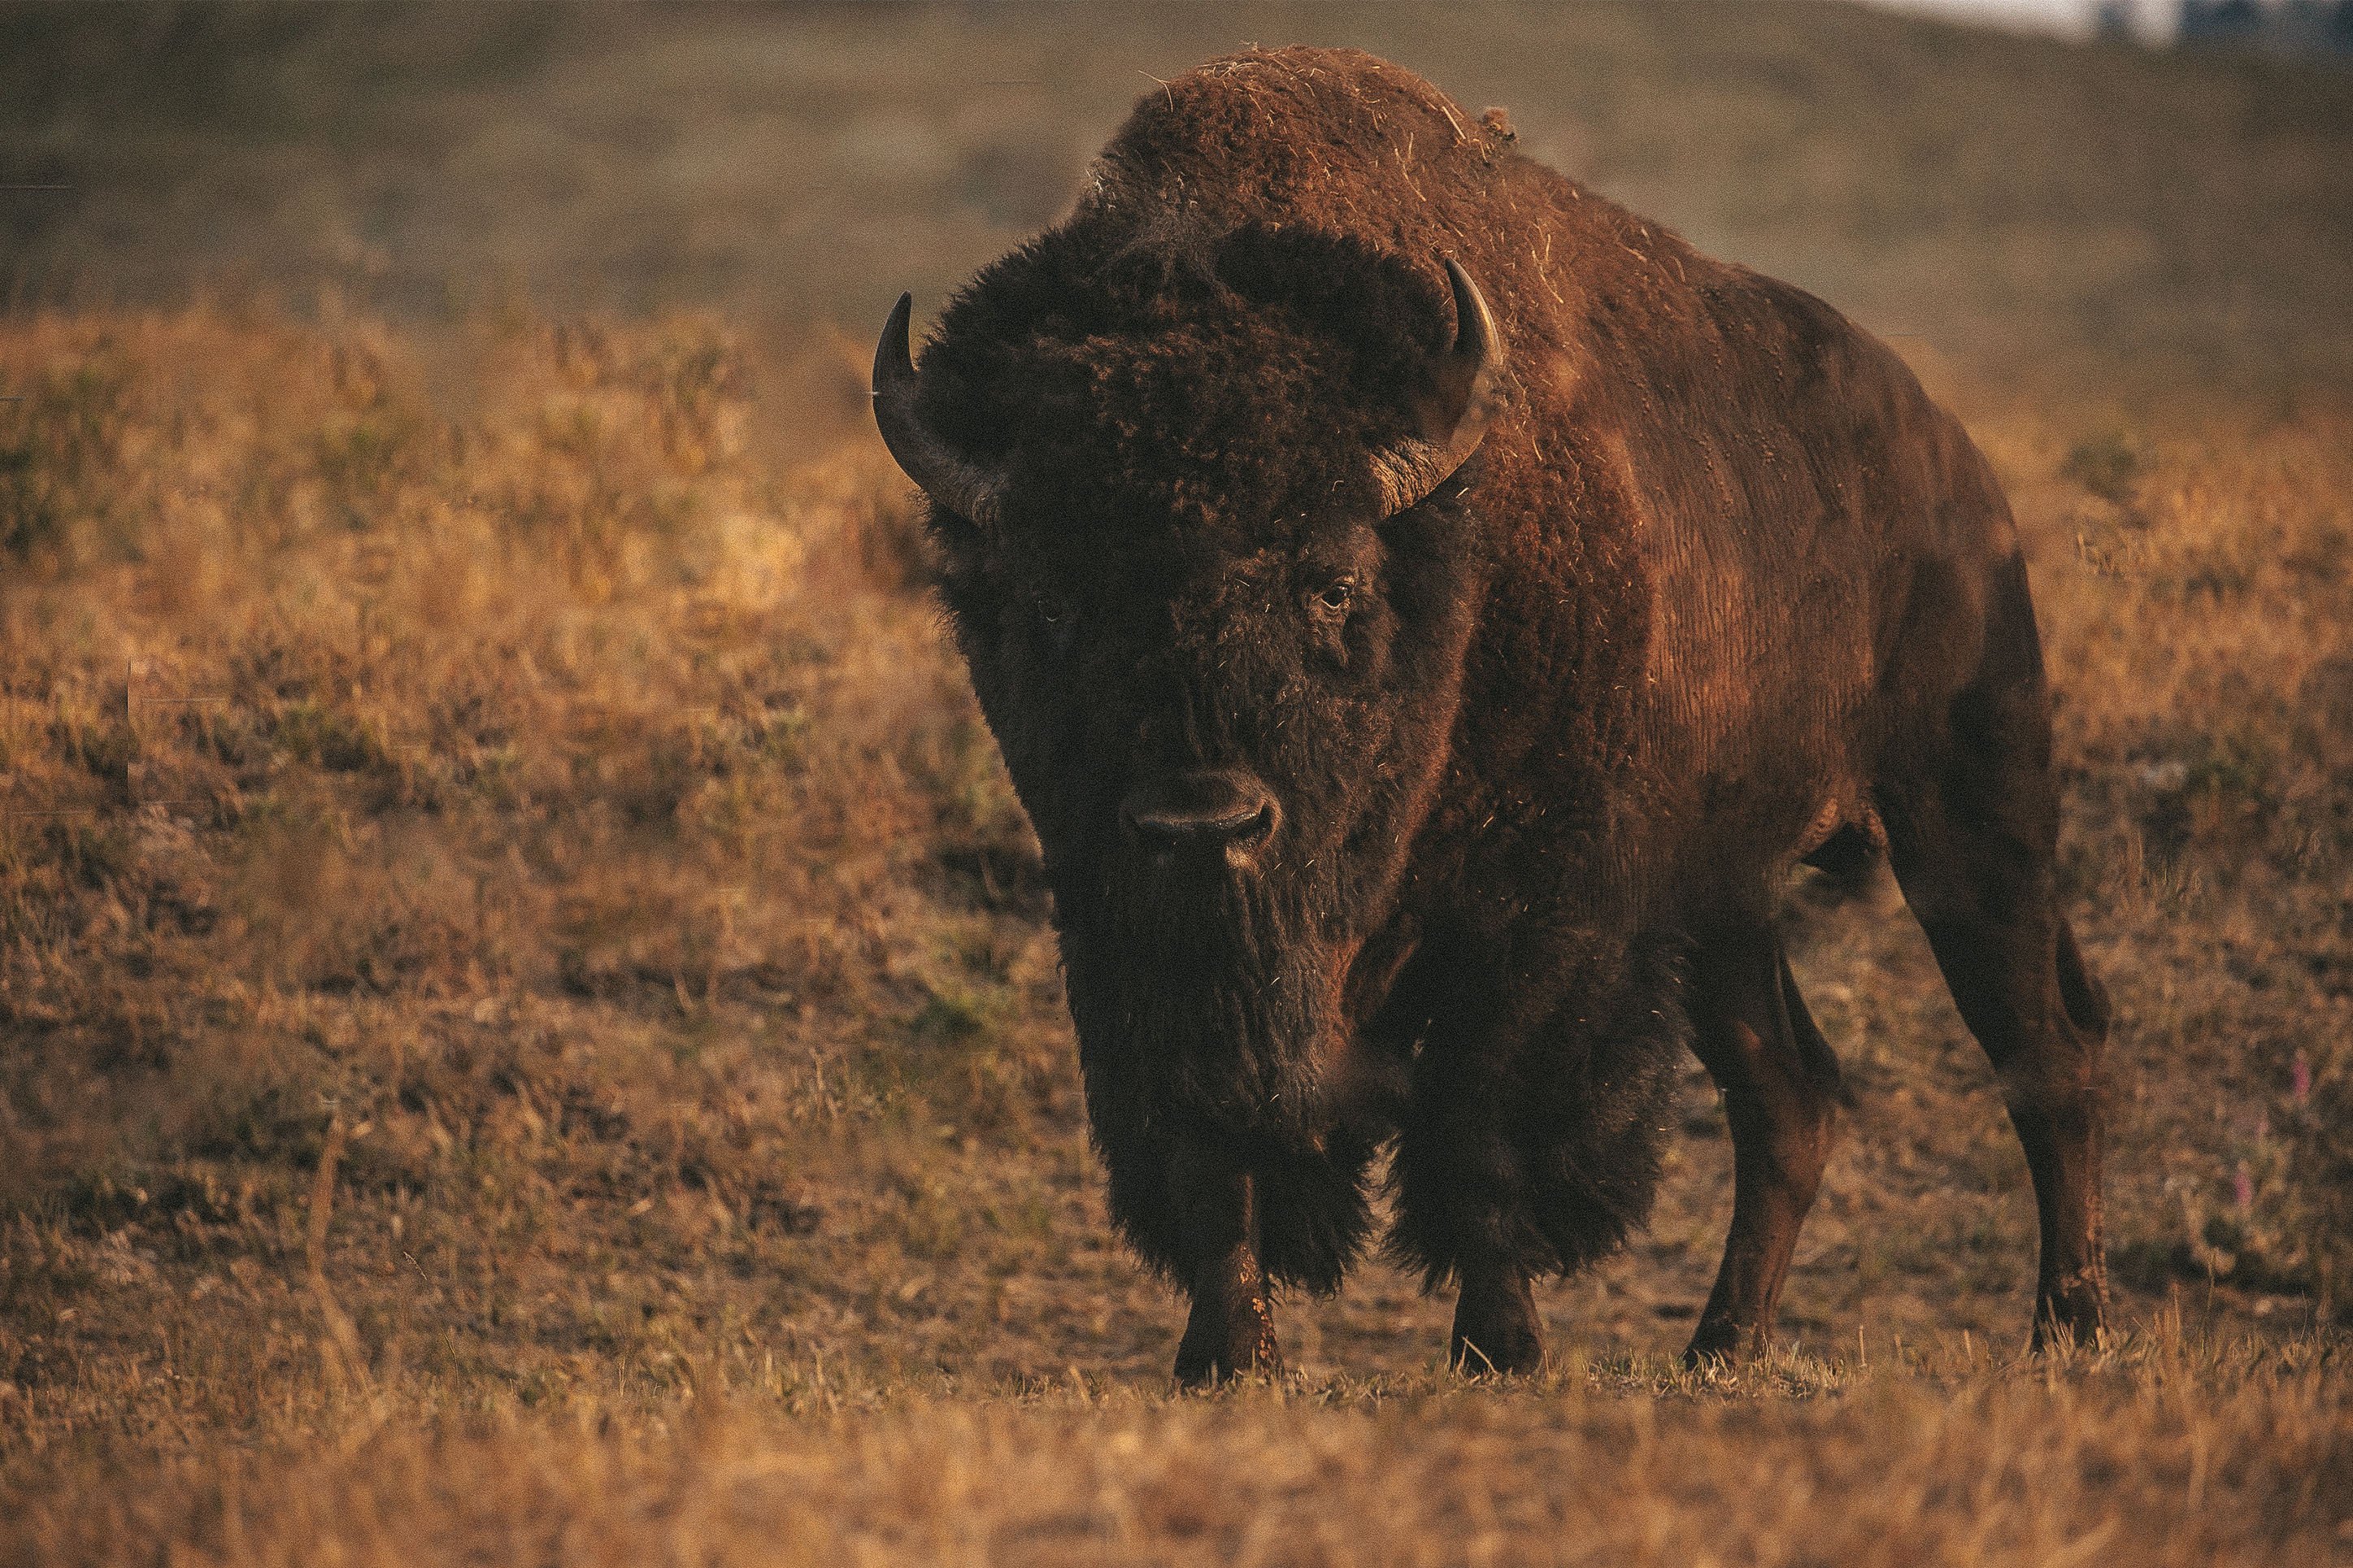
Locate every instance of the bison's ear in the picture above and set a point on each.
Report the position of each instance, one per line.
(962, 487)
(1466, 384)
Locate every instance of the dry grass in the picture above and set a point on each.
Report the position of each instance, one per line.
(2174, 1455)
(529, 1030)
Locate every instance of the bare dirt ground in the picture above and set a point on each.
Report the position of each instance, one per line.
(527, 1023)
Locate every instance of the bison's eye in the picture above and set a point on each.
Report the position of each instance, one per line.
(1334, 597)
(1054, 620)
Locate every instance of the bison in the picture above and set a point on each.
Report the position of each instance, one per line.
(1428, 613)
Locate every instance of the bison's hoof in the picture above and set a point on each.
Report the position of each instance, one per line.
(1494, 1354)
(2076, 1315)
(1496, 1330)
(1198, 1368)
(1719, 1342)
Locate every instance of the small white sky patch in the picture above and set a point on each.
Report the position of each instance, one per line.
(2067, 18)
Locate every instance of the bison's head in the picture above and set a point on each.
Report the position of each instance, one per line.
(1207, 554)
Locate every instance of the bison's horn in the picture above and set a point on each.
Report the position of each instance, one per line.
(960, 485)
(1469, 383)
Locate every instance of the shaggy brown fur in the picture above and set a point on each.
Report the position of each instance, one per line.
(1535, 756)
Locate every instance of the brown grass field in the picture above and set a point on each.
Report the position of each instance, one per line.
(527, 1032)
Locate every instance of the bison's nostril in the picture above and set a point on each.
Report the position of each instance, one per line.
(1205, 811)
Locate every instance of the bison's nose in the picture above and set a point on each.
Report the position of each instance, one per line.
(1200, 813)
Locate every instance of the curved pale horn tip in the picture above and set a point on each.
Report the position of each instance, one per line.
(1475, 324)
(892, 360)
(1466, 384)
(937, 470)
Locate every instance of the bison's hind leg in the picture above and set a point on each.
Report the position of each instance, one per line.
(1973, 856)
(1780, 1087)
(1972, 830)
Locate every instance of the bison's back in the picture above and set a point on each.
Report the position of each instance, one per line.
(1825, 551)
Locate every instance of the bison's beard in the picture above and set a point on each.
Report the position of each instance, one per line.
(1216, 1004)
(1206, 1019)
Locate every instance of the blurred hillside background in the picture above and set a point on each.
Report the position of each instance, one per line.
(527, 1021)
(2002, 197)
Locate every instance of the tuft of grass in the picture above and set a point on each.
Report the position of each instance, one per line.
(2108, 465)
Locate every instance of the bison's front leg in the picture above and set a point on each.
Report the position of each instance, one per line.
(1230, 1332)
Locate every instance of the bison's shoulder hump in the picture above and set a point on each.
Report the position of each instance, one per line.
(1335, 139)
